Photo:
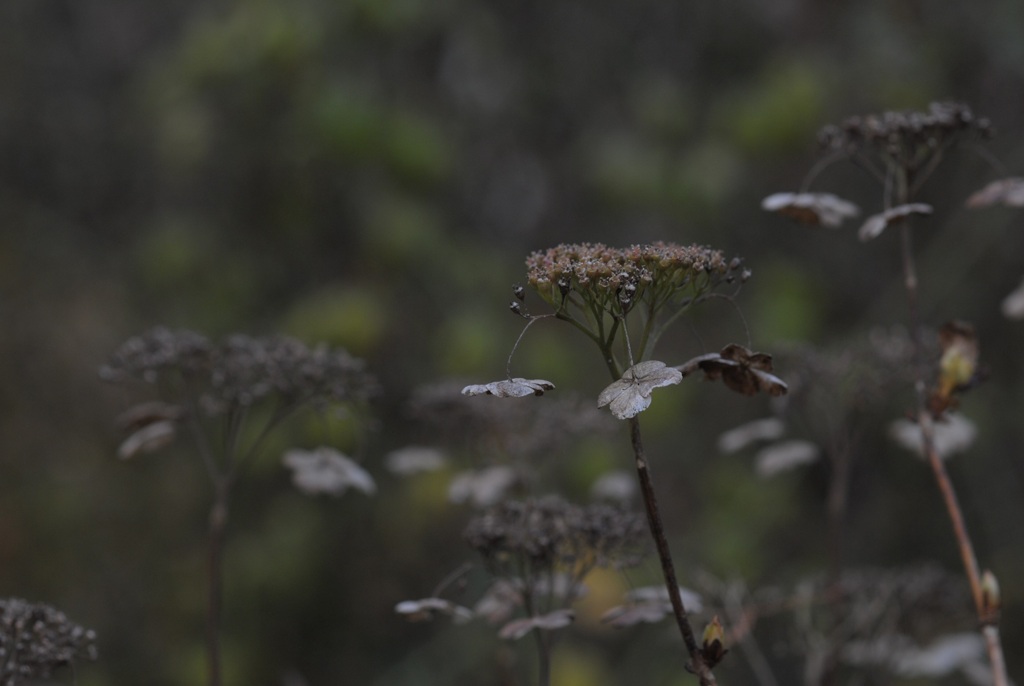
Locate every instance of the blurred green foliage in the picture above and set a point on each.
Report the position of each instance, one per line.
(371, 174)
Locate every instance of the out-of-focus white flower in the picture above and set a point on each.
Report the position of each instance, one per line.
(414, 459)
(325, 470)
(736, 439)
(780, 457)
(953, 434)
(482, 487)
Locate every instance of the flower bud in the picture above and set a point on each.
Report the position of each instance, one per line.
(712, 648)
(990, 600)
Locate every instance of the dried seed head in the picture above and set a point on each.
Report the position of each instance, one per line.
(910, 137)
(35, 639)
(241, 370)
(600, 274)
(550, 533)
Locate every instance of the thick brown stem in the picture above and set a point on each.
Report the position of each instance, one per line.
(697, 663)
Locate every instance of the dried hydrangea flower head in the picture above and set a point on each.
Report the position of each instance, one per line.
(910, 138)
(36, 639)
(550, 534)
(242, 370)
(614, 280)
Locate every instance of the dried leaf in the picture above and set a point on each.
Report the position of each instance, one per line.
(553, 620)
(817, 209)
(510, 388)
(739, 369)
(148, 439)
(426, 609)
(1009, 192)
(877, 223)
(631, 394)
(784, 456)
(325, 470)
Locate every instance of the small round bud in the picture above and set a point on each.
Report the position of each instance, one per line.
(735, 264)
(745, 275)
(516, 308)
(519, 292)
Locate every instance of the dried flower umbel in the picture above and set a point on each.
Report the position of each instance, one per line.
(902, 150)
(225, 393)
(538, 552)
(592, 279)
(36, 639)
(623, 299)
(547, 535)
(242, 370)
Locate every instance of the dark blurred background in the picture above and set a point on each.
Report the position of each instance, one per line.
(372, 173)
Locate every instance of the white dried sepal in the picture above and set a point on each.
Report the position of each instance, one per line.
(427, 608)
(148, 439)
(510, 388)
(1013, 304)
(877, 223)
(631, 395)
(823, 209)
(1009, 192)
(518, 628)
(736, 439)
(781, 457)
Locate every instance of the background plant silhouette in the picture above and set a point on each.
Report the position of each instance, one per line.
(229, 399)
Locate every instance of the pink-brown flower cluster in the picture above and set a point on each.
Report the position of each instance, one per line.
(606, 275)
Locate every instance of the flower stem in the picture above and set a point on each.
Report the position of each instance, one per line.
(990, 631)
(215, 580)
(697, 664)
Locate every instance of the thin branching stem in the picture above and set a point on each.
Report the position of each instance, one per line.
(965, 545)
(819, 167)
(215, 581)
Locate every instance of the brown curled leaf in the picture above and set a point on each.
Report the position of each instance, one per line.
(739, 369)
